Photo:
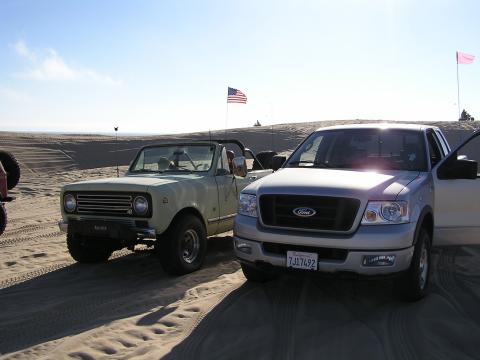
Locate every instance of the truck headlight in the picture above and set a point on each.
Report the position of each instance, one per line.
(247, 205)
(69, 203)
(386, 212)
(140, 205)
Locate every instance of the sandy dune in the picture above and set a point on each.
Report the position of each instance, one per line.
(129, 308)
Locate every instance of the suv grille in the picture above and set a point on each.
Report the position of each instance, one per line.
(331, 213)
(104, 204)
(117, 204)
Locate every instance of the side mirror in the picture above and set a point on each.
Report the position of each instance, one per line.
(239, 166)
(278, 161)
(458, 169)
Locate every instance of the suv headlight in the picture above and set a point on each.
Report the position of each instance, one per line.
(69, 203)
(140, 205)
(247, 205)
(386, 212)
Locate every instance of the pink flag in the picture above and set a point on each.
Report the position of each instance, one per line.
(464, 58)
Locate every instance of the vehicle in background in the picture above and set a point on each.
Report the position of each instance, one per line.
(172, 197)
(9, 178)
(369, 200)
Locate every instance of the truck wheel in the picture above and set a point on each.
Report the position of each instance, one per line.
(413, 284)
(3, 218)
(183, 247)
(10, 164)
(81, 252)
(256, 275)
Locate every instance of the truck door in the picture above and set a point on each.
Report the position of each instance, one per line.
(227, 194)
(457, 195)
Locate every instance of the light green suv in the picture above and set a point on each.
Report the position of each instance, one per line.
(172, 197)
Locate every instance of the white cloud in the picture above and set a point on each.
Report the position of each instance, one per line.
(14, 95)
(22, 50)
(52, 67)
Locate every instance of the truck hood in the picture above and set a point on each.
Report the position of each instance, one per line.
(364, 185)
(132, 183)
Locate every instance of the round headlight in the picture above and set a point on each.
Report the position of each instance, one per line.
(391, 211)
(69, 203)
(140, 205)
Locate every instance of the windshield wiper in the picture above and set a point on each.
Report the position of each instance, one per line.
(318, 164)
(178, 170)
(300, 162)
(145, 171)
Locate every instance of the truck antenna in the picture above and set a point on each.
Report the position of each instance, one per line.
(116, 149)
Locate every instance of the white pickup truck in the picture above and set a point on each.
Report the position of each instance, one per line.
(369, 200)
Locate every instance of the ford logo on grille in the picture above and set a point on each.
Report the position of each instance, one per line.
(304, 211)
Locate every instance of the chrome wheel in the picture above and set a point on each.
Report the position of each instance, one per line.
(423, 267)
(190, 246)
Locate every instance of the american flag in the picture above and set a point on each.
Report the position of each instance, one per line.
(236, 96)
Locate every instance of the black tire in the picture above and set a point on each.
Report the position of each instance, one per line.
(256, 275)
(3, 218)
(183, 247)
(265, 159)
(413, 285)
(12, 168)
(81, 252)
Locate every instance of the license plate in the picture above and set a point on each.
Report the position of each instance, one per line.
(302, 260)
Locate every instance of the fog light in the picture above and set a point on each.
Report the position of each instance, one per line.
(243, 247)
(378, 260)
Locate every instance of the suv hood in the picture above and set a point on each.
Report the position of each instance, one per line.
(133, 183)
(364, 185)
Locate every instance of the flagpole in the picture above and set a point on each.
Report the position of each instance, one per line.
(458, 90)
(226, 120)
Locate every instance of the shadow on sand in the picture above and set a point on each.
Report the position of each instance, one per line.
(299, 317)
(81, 297)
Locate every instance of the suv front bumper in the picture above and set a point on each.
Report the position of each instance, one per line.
(396, 240)
(142, 233)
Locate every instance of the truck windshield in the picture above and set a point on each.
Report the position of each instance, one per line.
(174, 158)
(385, 149)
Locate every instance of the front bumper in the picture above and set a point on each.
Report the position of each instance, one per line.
(387, 240)
(352, 263)
(142, 233)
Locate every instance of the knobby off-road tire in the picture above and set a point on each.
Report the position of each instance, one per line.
(256, 275)
(182, 248)
(3, 218)
(12, 168)
(81, 252)
(414, 283)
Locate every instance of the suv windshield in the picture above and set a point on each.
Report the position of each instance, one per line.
(174, 158)
(386, 149)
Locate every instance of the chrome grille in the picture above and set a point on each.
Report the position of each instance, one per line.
(104, 204)
(335, 214)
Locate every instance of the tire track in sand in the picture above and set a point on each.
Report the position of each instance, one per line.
(76, 312)
(14, 241)
(48, 269)
(203, 326)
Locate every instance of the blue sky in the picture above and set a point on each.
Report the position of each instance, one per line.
(164, 66)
